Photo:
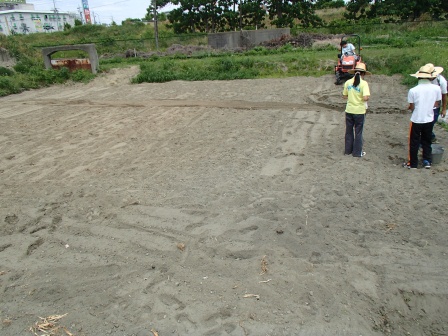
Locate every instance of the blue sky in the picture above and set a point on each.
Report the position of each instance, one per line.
(103, 10)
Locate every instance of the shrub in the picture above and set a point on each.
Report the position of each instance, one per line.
(6, 71)
(8, 86)
(38, 75)
(24, 65)
(150, 73)
(286, 48)
(82, 76)
(259, 50)
(107, 41)
(88, 29)
(224, 64)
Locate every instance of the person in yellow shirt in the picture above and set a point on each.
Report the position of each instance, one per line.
(357, 93)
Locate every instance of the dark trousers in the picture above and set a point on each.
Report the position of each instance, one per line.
(436, 118)
(354, 124)
(420, 132)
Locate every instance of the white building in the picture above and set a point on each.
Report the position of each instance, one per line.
(18, 17)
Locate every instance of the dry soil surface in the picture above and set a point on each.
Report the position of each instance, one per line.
(216, 208)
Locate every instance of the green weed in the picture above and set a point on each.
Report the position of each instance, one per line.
(83, 76)
(8, 86)
(6, 71)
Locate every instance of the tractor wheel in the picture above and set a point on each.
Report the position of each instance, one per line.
(338, 78)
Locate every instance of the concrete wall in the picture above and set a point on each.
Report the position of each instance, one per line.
(245, 38)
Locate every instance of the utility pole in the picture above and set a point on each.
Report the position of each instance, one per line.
(96, 18)
(80, 15)
(156, 30)
(241, 18)
(57, 14)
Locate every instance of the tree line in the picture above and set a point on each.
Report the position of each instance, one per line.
(192, 16)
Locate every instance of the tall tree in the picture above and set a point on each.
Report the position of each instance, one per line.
(209, 13)
(185, 18)
(356, 9)
(304, 12)
(150, 10)
(321, 4)
(253, 14)
(277, 9)
(204, 15)
(291, 12)
(230, 14)
(405, 10)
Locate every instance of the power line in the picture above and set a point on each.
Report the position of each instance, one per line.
(113, 3)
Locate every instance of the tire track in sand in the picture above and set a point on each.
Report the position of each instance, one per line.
(306, 131)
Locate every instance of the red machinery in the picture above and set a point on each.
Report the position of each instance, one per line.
(347, 62)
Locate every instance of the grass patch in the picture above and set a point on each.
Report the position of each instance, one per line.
(264, 63)
(225, 68)
(391, 61)
(443, 125)
(258, 63)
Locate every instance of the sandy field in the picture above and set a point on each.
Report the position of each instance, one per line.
(216, 208)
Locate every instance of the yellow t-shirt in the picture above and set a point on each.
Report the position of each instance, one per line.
(355, 101)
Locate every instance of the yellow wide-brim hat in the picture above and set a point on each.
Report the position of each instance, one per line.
(437, 70)
(359, 67)
(427, 71)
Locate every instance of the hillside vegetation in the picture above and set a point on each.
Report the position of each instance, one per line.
(393, 48)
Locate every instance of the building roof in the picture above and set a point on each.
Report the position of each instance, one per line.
(35, 12)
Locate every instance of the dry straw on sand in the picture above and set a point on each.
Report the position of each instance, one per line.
(48, 326)
(264, 266)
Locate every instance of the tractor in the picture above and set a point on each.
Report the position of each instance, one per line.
(347, 62)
